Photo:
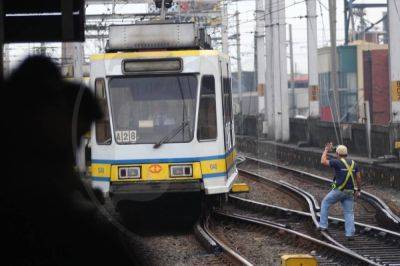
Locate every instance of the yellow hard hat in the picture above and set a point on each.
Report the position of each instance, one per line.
(341, 150)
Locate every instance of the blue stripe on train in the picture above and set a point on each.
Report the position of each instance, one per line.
(164, 160)
(100, 179)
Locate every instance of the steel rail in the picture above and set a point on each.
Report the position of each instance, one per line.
(334, 220)
(304, 195)
(367, 251)
(205, 239)
(261, 222)
(376, 202)
(211, 241)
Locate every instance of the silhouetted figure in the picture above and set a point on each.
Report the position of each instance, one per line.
(46, 215)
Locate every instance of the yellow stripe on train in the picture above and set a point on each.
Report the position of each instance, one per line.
(101, 170)
(213, 166)
(156, 172)
(161, 171)
(154, 54)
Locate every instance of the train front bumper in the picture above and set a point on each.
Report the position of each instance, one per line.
(134, 190)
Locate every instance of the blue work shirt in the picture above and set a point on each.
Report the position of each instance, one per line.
(341, 172)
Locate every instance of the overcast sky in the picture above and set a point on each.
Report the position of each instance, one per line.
(295, 12)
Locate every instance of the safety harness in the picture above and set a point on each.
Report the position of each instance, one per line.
(349, 174)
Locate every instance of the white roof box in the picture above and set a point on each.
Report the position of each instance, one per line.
(156, 36)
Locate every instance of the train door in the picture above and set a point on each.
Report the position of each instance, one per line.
(227, 115)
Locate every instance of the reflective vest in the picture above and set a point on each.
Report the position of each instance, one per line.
(349, 174)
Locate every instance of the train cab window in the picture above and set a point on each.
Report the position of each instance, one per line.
(207, 122)
(103, 129)
(148, 109)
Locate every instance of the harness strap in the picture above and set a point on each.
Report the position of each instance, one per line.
(349, 173)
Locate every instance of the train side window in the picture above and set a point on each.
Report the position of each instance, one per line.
(207, 122)
(103, 129)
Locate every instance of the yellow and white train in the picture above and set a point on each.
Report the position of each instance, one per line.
(168, 124)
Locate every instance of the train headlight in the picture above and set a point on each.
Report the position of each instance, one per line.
(182, 170)
(128, 172)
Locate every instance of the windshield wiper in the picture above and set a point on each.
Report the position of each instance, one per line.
(171, 134)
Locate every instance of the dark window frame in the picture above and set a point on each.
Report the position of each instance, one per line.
(227, 108)
(106, 117)
(199, 139)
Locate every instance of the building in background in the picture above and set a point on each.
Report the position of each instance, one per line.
(253, 99)
(298, 97)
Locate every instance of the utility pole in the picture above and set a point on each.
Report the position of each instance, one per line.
(276, 71)
(279, 76)
(163, 10)
(312, 53)
(239, 61)
(293, 105)
(276, 79)
(73, 55)
(332, 26)
(260, 46)
(269, 72)
(284, 92)
(224, 27)
(394, 59)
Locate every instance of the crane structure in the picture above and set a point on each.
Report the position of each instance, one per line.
(354, 10)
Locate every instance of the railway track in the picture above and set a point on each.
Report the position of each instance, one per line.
(369, 209)
(216, 245)
(377, 246)
(326, 253)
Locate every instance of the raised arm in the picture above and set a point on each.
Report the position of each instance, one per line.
(324, 157)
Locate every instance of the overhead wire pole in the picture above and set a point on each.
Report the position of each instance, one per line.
(283, 86)
(260, 46)
(394, 57)
(163, 10)
(293, 105)
(312, 53)
(239, 61)
(269, 71)
(224, 27)
(73, 55)
(276, 77)
(336, 111)
(71, 52)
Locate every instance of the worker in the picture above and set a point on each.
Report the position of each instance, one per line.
(346, 185)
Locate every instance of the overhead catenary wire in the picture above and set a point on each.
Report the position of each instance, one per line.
(262, 16)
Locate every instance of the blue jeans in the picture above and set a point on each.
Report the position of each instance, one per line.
(347, 201)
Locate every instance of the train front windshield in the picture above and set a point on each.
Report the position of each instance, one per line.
(153, 109)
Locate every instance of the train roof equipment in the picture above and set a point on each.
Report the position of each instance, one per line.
(157, 36)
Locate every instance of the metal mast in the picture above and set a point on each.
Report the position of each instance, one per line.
(394, 59)
(312, 52)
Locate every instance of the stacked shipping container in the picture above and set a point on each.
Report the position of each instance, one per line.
(350, 82)
(376, 85)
